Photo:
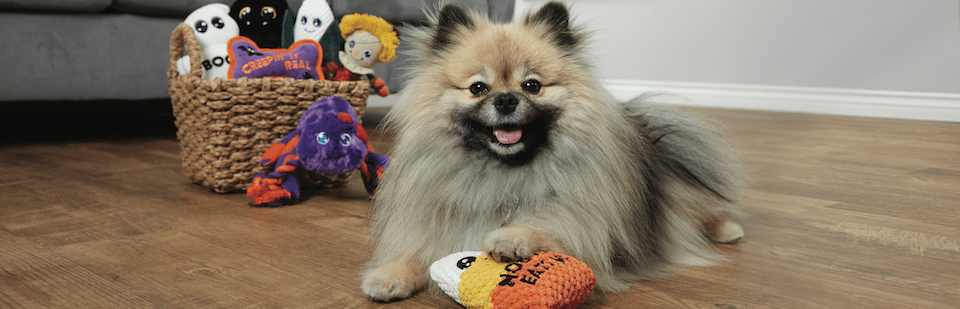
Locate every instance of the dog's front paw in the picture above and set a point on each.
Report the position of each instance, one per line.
(393, 281)
(516, 243)
(725, 231)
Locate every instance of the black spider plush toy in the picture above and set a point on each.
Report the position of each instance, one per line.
(261, 20)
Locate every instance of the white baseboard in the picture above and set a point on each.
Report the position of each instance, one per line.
(848, 102)
(377, 101)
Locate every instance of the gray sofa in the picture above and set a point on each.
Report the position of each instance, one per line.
(117, 50)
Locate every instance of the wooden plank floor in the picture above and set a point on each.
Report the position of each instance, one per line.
(845, 213)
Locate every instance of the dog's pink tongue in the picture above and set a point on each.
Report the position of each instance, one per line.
(508, 137)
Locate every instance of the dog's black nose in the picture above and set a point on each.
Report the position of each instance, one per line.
(506, 103)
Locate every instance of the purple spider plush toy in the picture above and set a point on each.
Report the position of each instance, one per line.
(328, 140)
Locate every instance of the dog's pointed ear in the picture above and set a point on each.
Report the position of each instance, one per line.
(449, 19)
(556, 18)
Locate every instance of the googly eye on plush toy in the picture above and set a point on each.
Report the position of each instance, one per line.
(213, 28)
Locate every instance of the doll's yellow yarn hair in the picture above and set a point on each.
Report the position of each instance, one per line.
(384, 31)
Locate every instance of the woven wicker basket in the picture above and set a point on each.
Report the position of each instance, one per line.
(225, 125)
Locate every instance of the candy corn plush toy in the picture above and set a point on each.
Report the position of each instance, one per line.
(546, 280)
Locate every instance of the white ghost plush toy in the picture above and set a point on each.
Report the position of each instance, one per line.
(313, 19)
(213, 28)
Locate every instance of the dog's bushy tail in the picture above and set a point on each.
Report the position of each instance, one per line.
(691, 141)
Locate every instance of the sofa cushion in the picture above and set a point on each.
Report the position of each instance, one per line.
(398, 11)
(172, 8)
(85, 56)
(401, 11)
(56, 5)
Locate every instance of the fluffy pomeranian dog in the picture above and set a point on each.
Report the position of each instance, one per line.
(506, 142)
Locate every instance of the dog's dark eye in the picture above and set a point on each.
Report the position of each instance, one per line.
(531, 86)
(479, 88)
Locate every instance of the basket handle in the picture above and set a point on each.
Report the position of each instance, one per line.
(183, 36)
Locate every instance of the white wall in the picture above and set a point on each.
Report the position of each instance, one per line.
(898, 48)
